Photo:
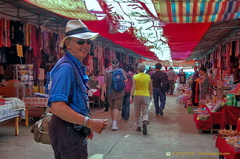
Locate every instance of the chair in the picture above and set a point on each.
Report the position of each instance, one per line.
(95, 99)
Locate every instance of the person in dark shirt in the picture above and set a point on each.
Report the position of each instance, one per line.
(182, 77)
(157, 93)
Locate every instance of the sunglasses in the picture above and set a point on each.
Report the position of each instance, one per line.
(81, 42)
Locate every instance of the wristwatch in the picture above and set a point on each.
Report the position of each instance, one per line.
(86, 119)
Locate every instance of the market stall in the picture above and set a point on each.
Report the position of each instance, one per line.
(228, 143)
(36, 103)
(12, 108)
(225, 149)
(208, 123)
(227, 116)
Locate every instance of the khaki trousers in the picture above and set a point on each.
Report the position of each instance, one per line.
(141, 106)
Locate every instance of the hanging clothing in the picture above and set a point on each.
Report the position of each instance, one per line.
(195, 93)
(16, 32)
(6, 40)
(1, 31)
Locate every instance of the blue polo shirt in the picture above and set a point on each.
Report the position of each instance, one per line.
(66, 87)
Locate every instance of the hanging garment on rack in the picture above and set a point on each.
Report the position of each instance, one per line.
(16, 32)
(9, 72)
(237, 47)
(6, 40)
(27, 34)
(1, 31)
(34, 40)
(3, 58)
(195, 93)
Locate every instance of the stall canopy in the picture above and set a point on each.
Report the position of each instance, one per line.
(174, 30)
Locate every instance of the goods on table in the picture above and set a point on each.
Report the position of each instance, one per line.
(202, 114)
(232, 138)
(225, 132)
(191, 109)
(181, 99)
(230, 99)
(216, 107)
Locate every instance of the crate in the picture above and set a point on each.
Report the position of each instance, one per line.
(191, 109)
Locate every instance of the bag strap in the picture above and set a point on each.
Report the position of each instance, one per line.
(77, 75)
(47, 110)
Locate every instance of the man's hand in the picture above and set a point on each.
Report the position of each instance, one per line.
(90, 137)
(97, 125)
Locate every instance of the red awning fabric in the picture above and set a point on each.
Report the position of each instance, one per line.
(186, 21)
(123, 39)
(183, 37)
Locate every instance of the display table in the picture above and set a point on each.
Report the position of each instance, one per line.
(228, 116)
(208, 124)
(9, 110)
(213, 119)
(225, 149)
(34, 102)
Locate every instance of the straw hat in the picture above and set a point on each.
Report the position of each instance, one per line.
(77, 29)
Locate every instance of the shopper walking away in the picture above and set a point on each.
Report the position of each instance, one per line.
(113, 93)
(142, 91)
(158, 94)
(127, 90)
(150, 71)
(172, 76)
(109, 67)
(70, 124)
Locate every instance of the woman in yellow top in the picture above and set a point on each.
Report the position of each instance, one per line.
(142, 91)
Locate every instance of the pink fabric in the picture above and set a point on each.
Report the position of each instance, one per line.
(35, 101)
(34, 43)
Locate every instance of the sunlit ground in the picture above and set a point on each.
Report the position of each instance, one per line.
(96, 156)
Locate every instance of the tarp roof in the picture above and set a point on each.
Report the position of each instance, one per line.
(192, 28)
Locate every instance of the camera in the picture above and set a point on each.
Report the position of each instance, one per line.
(83, 130)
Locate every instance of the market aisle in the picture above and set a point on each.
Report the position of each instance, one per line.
(174, 132)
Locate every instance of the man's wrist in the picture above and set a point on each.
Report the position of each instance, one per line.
(86, 120)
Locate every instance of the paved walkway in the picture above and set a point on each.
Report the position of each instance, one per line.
(174, 132)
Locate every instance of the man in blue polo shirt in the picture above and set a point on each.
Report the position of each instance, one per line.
(70, 124)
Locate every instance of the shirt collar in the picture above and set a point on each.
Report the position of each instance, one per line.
(74, 59)
(81, 68)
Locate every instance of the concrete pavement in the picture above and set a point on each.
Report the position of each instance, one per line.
(174, 132)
